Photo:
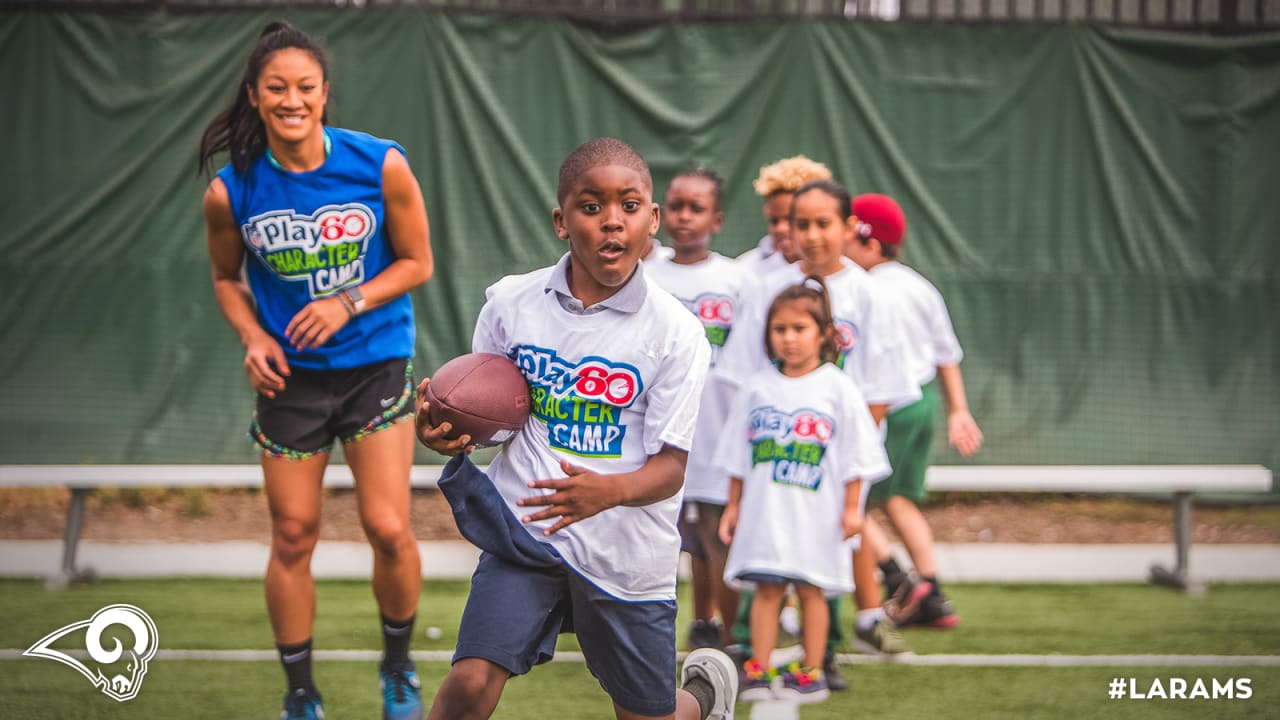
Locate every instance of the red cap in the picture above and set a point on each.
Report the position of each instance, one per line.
(880, 217)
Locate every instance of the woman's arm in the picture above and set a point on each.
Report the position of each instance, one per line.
(264, 360)
(407, 229)
(405, 216)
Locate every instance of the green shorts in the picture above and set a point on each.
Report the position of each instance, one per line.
(909, 444)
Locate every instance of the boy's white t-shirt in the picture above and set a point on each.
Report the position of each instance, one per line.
(872, 339)
(931, 339)
(608, 390)
(712, 290)
(764, 258)
(658, 253)
(796, 443)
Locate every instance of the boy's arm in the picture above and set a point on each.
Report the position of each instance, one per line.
(585, 493)
(962, 431)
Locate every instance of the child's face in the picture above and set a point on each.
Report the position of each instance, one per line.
(690, 215)
(819, 231)
(795, 338)
(608, 217)
(777, 214)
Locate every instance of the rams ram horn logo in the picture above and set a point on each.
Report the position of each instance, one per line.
(119, 670)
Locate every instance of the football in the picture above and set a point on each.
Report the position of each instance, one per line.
(482, 395)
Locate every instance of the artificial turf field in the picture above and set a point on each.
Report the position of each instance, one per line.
(1049, 623)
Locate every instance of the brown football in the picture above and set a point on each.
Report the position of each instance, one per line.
(482, 395)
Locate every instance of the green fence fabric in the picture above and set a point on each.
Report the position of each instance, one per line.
(1098, 207)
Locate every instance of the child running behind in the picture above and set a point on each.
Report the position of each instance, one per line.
(796, 486)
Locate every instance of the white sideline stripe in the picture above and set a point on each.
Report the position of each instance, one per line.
(943, 478)
(847, 659)
(959, 562)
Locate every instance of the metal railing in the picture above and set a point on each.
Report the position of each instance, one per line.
(1188, 15)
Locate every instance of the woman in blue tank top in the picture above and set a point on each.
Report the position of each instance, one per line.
(316, 235)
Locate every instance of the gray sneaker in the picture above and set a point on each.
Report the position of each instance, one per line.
(880, 639)
(717, 669)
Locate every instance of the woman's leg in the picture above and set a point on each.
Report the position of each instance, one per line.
(380, 463)
(293, 497)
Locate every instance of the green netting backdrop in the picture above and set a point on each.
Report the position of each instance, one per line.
(1100, 208)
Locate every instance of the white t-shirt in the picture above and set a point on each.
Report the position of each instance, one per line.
(872, 339)
(796, 443)
(931, 340)
(762, 259)
(712, 290)
(659, 252)
(608, 390)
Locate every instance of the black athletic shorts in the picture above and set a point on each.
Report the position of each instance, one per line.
(317, 406)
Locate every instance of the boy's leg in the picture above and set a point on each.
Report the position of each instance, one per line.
(871, 629)
(703, 631)
(915, 532)
(470, 691)
(513, 616)
(909, 443)
(629, 646)
(717, 554)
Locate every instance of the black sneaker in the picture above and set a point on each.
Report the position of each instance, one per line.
(935, 611)
(704, 634)
(893, 583)
(905, 600)
(831, 670)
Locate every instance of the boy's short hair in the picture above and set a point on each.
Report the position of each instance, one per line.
(717, 182)
(788, 175)
(595, 153)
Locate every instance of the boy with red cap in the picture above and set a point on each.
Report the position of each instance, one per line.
(933, 353)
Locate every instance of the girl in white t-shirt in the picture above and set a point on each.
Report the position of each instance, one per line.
(800, 448)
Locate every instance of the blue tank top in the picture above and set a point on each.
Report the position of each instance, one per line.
(312, 234)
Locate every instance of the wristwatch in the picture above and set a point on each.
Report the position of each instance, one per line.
(356, 298)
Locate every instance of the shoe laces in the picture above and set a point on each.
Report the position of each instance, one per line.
(397, 685)
(297, 703)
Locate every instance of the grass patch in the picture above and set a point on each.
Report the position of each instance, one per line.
(1231, 619)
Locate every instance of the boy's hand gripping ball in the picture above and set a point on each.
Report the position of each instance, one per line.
(481, 395)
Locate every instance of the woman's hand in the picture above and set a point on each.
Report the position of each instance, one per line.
(265, 364)
(316, 323)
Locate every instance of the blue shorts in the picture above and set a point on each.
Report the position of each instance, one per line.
(523, 596)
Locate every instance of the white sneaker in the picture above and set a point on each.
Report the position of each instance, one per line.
(718, 670)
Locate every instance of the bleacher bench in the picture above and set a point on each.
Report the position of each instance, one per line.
(1181, 482)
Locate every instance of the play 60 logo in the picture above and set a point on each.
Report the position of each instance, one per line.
(592, 378)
